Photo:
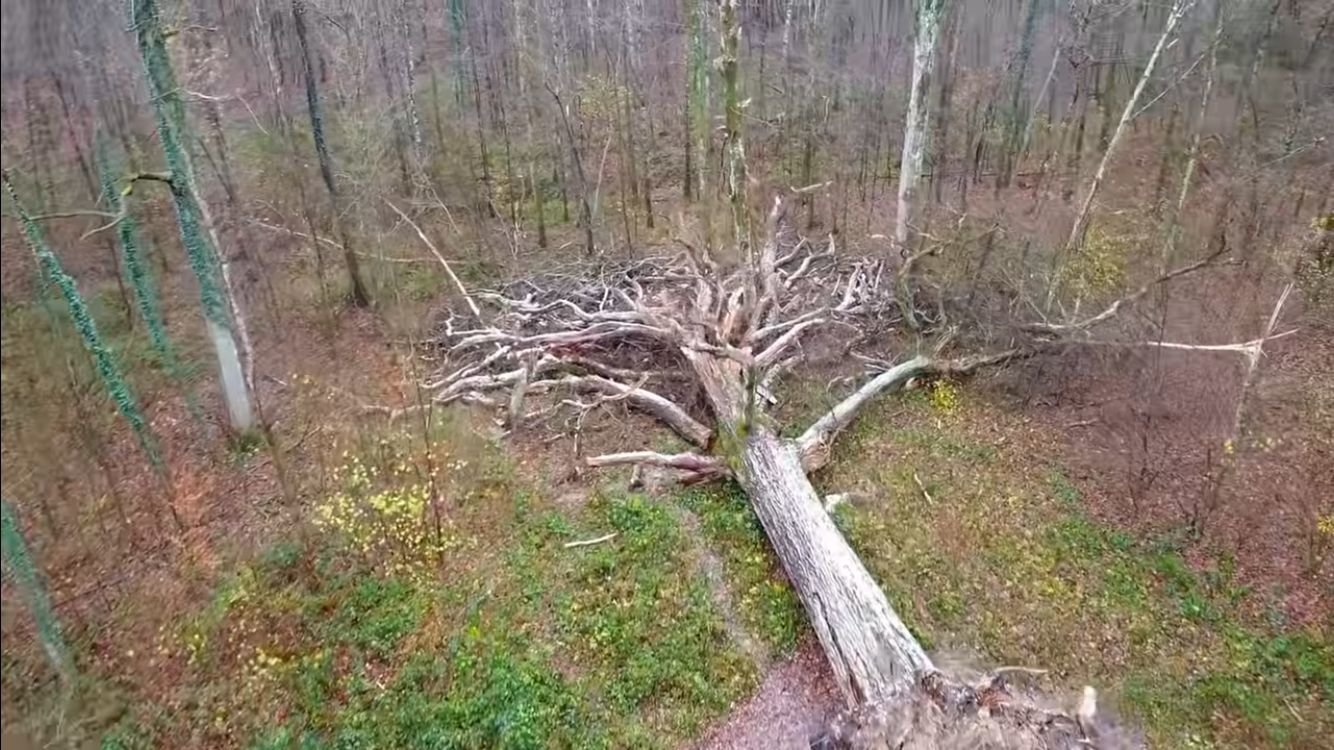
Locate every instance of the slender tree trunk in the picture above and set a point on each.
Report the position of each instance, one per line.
(730, 29)
(1042, 94)
(1179, 9)
(206, 260)
(928, 15)
(481, 124)
(941, 145)
(584, 206)
(20, 564)
(1193, 155)
(1015, 114)
(697, 95)
(410, 92)
(316, 112)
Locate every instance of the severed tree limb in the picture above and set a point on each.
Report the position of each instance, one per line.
(591, 542)
(1113, 309)
(597, 332)
(780, 345)
(1253, 358)
(1251, 350)
(684, 461)
(664, 409)
(696, 468)
(815, 441)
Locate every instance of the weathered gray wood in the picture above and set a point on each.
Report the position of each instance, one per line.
(873, 656)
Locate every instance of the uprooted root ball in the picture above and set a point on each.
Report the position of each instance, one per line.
(942, 713)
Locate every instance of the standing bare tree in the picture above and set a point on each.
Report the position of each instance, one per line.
(315, 109)
(1178, 11)
(928, 14)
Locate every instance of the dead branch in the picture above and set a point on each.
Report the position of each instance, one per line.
(658, 406)
(591, 542)
(814, 442)
(449, 270)
(333, 245)
(692, 463)
(1113, 309)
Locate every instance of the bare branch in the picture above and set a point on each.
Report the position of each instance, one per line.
(75, 214)
(659, 406)
(1113, 309)
(815, 441)
(690, 462)
(334, 245)
(1251, 350)
(448, 269)
(597, 332)
(590, 542)
(779, 346)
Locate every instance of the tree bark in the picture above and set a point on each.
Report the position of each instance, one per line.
(914, 131)
(873, 655)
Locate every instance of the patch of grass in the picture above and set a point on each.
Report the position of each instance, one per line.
(374, 615)
(505, 638)
(1002, 564)
(768, 605)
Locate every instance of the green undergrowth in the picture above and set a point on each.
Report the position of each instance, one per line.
(991, 559)
(767, 604)
(383, 627)
(433, 603)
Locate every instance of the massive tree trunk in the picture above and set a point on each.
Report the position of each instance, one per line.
(873, 656)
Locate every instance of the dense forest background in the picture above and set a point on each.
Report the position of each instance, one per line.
(238, 236)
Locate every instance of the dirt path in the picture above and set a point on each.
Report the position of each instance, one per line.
(791, 706)
(797, 695)
(709, 565)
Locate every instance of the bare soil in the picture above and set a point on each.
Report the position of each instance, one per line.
(792, 706)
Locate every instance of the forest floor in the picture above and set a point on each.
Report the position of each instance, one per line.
(413, 585)
(355, 624)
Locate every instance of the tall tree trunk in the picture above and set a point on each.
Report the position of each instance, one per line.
(1178, 11)
(585, 209)
(1193, 155)
(1015, 114)
(730, 29)
(697, 95)
(20, 564)
(206, 260)
(928, 15)
(316, 112)
(410, 95)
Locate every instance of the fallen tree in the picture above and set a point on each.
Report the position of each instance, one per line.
(635, 330)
